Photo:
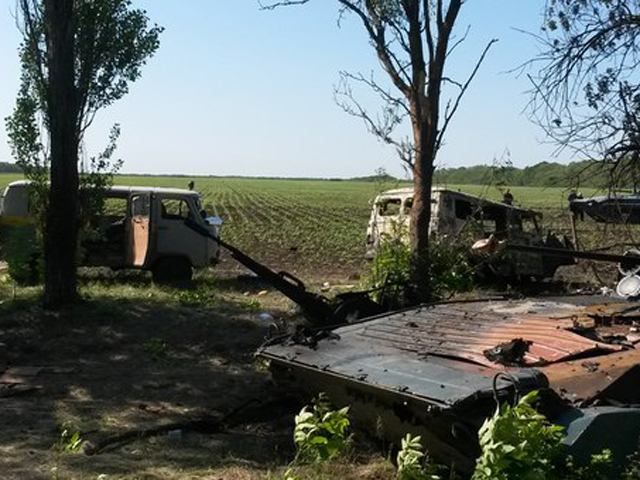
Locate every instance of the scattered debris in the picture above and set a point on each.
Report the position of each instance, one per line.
(310, 338)
(509, 353)
(265, 317)
(16, 389)
(590, 366)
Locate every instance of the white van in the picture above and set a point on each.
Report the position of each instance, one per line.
(451, 211)
(143, 228)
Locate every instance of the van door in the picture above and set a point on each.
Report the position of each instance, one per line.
(139, 228)
(174, 238)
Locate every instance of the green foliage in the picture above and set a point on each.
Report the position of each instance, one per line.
(413, 464)
(68, 441)
(588, 173)
(21, 250)
(156, 348)
(632, 472)
(112, 41)
(195, 298)
(390, 268)
(520, 443)
(321, 433)
(450, 268)
(25, 140)
(95, 179)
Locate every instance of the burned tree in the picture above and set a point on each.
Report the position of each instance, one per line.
(586, 92)
(413, 40)
(77, 57)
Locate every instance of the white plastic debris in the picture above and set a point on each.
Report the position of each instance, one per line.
(265, 317)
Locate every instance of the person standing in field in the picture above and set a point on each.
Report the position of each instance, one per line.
(507, 197)
(191, 184)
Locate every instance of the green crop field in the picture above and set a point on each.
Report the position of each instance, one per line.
(314, 226)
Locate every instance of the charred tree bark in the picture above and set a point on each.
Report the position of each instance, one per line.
(61, 230)
(421, 218)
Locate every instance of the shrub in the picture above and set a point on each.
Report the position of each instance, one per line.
(320, 432)
(22, 251)
(390, 268)
(520, 443)
(450, 269)
(413, 464)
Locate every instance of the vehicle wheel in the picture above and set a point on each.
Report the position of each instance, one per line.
(172, 270)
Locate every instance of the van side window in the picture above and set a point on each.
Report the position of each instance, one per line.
(463, 209)
(389, 207)
(174, 209)
(115, 207)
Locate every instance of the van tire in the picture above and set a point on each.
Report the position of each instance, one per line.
(172, 271)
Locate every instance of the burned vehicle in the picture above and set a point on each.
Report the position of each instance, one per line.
(142, 228)
(438, 370)
(612, 208)
(456, 214)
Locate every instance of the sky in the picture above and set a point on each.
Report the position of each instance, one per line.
(236, 90)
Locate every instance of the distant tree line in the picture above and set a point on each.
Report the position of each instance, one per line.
(6, 167)
(587, 173)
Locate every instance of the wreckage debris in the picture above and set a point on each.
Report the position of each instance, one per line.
(509, 353)
(432, 369)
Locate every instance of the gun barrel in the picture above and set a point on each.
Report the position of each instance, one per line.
(315, 307)
(597, 256)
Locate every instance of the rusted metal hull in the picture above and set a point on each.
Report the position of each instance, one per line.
(425, 370)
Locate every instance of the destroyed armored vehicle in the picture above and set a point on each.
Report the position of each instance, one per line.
(623, 209)
(456, 213)
(437, 370)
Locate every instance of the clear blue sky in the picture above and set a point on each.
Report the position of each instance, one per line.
(236, 90)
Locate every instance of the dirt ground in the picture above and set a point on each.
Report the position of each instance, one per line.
(132, 357)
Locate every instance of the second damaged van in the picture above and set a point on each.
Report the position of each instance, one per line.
(452, 212)
(142, 228)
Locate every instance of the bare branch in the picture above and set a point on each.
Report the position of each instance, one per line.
(286, 3)
(449, 115)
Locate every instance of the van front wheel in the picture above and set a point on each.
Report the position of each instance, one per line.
(172, 270)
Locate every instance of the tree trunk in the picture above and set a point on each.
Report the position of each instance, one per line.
(61, 230)
(421, 214)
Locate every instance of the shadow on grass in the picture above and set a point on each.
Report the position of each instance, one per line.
(132, 356)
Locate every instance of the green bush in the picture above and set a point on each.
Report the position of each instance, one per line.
(413, 464)
(390, 268)
(450, 269)
(520, 443)
(23, 254)
(321, 433)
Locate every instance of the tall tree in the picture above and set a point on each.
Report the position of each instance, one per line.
(78, 56)
(413, 40)
(587, 87)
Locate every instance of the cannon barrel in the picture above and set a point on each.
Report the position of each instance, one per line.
(318, 309)
(597, 256)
